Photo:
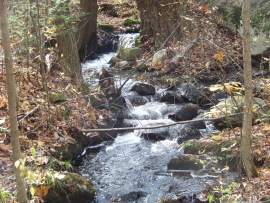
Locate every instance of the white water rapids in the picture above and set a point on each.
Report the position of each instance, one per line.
(132, 169)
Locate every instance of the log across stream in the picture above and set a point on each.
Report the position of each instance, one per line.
(133, 168)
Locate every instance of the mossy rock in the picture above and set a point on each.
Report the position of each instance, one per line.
(234, 105)
(137, 41)
(72, 188)
(108, 9)
(106, 27)
(231, 12)
(130, 54)
(223, 152)
(215, 148)
(76, 142)
(129, 22)
(185, 162)
(57, 97)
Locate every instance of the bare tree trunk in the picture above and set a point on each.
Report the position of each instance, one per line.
(69, 57)
(12, 102)
(246, 152)
(68, 52)
(159, 18)
(87, 31)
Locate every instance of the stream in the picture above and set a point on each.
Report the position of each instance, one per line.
(132, 168)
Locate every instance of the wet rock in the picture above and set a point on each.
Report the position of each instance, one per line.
(198, 124)
(144, 89)
(137, 100)
(188, 132)
(73, 147)
(72, 188)
(182, 199)
(185, 162)
(172, 97)
(106, 43)
(191, 93)
(186, 112)
(155, 136)
(130, 197)
(130, 54)
(114, 60)
(106, 83)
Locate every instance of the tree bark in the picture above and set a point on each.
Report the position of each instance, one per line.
(246, 152)
(87, 31)
(69, 58)
(159, 18)
(68, 52)
(12, 102)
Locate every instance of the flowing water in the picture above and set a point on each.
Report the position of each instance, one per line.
(132, 168)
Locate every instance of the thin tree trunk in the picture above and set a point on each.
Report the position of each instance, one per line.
(12, 102)
(246, 152)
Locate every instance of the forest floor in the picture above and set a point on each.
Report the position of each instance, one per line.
(43, 129)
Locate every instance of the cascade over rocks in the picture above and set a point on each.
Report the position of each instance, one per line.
(106, 43)
(144, 89)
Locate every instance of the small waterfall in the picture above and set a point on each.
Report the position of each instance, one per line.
(133, 169)
(91, 68)
(126, 41)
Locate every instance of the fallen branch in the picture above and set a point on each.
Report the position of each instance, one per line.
(158, 126)
(29, 113)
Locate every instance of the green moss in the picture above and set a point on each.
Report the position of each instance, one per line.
(235, 16)
(130, 54)
(57, 97)
(106, 27)
(130, 22)
(137, 41)
(109, 9)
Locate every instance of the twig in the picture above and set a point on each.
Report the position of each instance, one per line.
(158, 126)
(29, 113)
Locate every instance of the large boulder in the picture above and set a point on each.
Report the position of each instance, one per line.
(72, 188)
(144, 89)
(186, 112)
(72, 145)
(188, 132)
(130, 54)
(191, 93)
(172, 97)
(231, 11)
(185, 162)
(159, 56)
(234, 105)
